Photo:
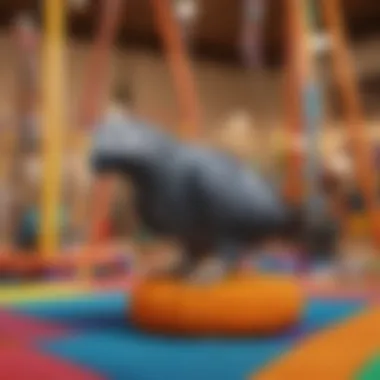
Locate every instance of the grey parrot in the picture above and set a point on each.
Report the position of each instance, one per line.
(204, 198)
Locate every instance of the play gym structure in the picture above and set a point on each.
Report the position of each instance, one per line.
(251, 325)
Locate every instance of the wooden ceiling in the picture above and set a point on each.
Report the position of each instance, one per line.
(218, 27)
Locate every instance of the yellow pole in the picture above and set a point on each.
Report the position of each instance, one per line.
(52, 122)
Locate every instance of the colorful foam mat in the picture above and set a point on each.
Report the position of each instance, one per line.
(89, 336)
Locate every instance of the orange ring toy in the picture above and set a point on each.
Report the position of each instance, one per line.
(257, 305)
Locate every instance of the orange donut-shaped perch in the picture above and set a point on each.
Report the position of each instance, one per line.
(237, 306)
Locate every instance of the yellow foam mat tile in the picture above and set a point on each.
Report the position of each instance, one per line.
(23, 293)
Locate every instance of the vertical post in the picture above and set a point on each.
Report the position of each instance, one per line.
(294, 78)
(180, 68)
(345, 78)
(52, 122)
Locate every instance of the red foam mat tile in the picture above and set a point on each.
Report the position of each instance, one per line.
(20, 363)
(21, 328)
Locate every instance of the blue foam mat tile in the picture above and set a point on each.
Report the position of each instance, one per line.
(147, 358)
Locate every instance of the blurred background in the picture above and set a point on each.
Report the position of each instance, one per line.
(288, 89)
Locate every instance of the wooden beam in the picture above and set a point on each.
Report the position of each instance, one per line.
(92, 107)
(96, 86)
(176, 54)
(344, 74)
(295, 72)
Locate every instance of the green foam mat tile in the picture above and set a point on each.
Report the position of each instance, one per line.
(371, 370)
